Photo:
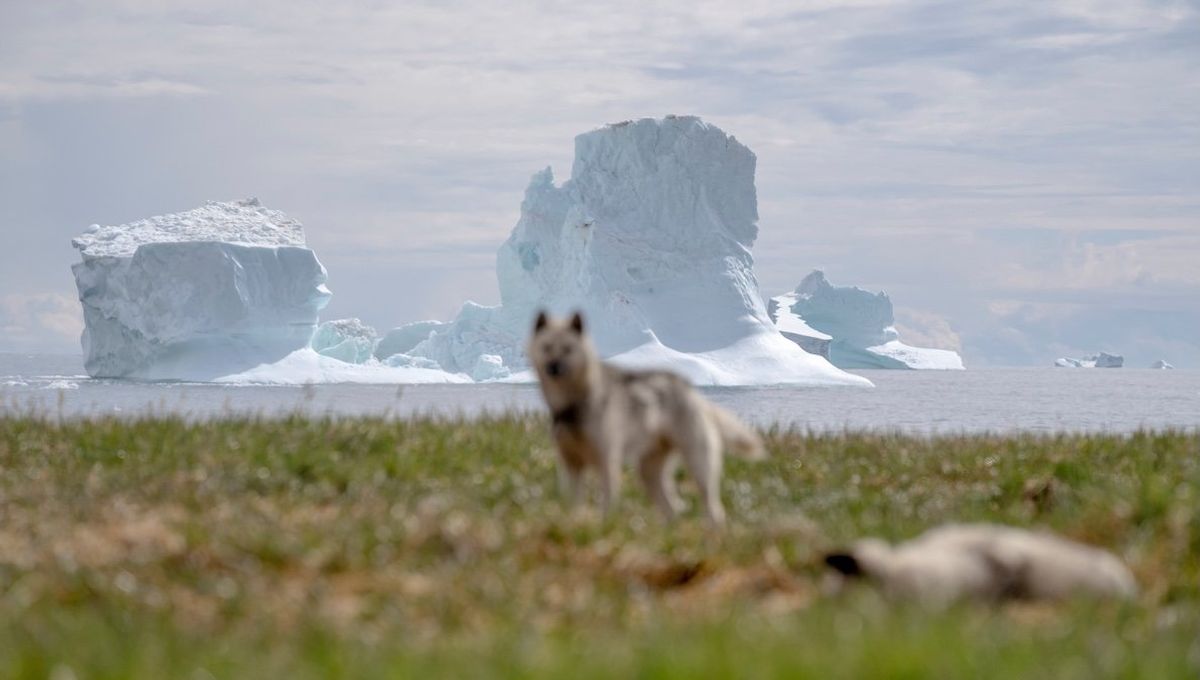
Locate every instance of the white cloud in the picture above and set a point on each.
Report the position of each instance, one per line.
(92, 88)
(922, 328)
(1080, 263)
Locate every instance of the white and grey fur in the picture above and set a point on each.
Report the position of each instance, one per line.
(986, 562)
(605, 416)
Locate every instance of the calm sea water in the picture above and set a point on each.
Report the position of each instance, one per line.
(1002, 400)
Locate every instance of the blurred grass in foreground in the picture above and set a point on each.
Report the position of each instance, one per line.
(316, 548)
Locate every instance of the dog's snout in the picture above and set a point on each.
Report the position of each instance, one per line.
(554, 368)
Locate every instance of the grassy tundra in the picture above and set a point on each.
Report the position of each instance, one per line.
(311, 548)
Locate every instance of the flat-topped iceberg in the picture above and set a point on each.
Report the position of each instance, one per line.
(852, 327)
(227, 292)
(650, 238)
(197, 295)
(1099, 360)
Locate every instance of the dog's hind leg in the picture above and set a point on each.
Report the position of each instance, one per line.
(670, 490)
(702, 456)
(657, 471)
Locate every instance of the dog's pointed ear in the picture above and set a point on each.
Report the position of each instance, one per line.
(843, 562)
(577, 323)
(541, 322)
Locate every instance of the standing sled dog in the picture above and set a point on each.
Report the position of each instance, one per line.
(605, 416)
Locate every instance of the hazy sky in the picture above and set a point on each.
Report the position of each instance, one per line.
(1022, 177)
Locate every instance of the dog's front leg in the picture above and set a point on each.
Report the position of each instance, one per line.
(610, 454)
(570, 480)
(573, 459)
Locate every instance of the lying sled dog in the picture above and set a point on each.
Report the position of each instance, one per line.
(986, 562)
(604, 416)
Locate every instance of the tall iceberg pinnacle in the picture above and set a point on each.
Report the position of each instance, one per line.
(197, 295)
(650, 238)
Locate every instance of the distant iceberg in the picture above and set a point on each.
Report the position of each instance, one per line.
(1100, 360)
(651, 239)
(852, 327)
(796, 329)
(402, 339)
(227, 292)
(348, 340)
(198, 294)
(1161, 365)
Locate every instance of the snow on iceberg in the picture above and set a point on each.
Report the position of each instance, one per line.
(853, 327)
(198, 294)
(650, 238)
(306, 366)
(1100, 360)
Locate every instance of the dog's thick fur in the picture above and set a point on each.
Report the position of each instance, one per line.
(605, 416)
(986, 562)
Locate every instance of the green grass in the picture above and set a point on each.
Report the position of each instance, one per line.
(364, 548)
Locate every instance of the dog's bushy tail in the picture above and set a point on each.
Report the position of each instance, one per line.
(737, 437)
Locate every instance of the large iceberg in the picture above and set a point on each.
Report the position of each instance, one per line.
(852, 327)
(197, 295)
(227, 292)
(650, 238)
(1098, 360)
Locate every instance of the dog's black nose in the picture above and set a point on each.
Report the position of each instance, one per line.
(554, 368)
